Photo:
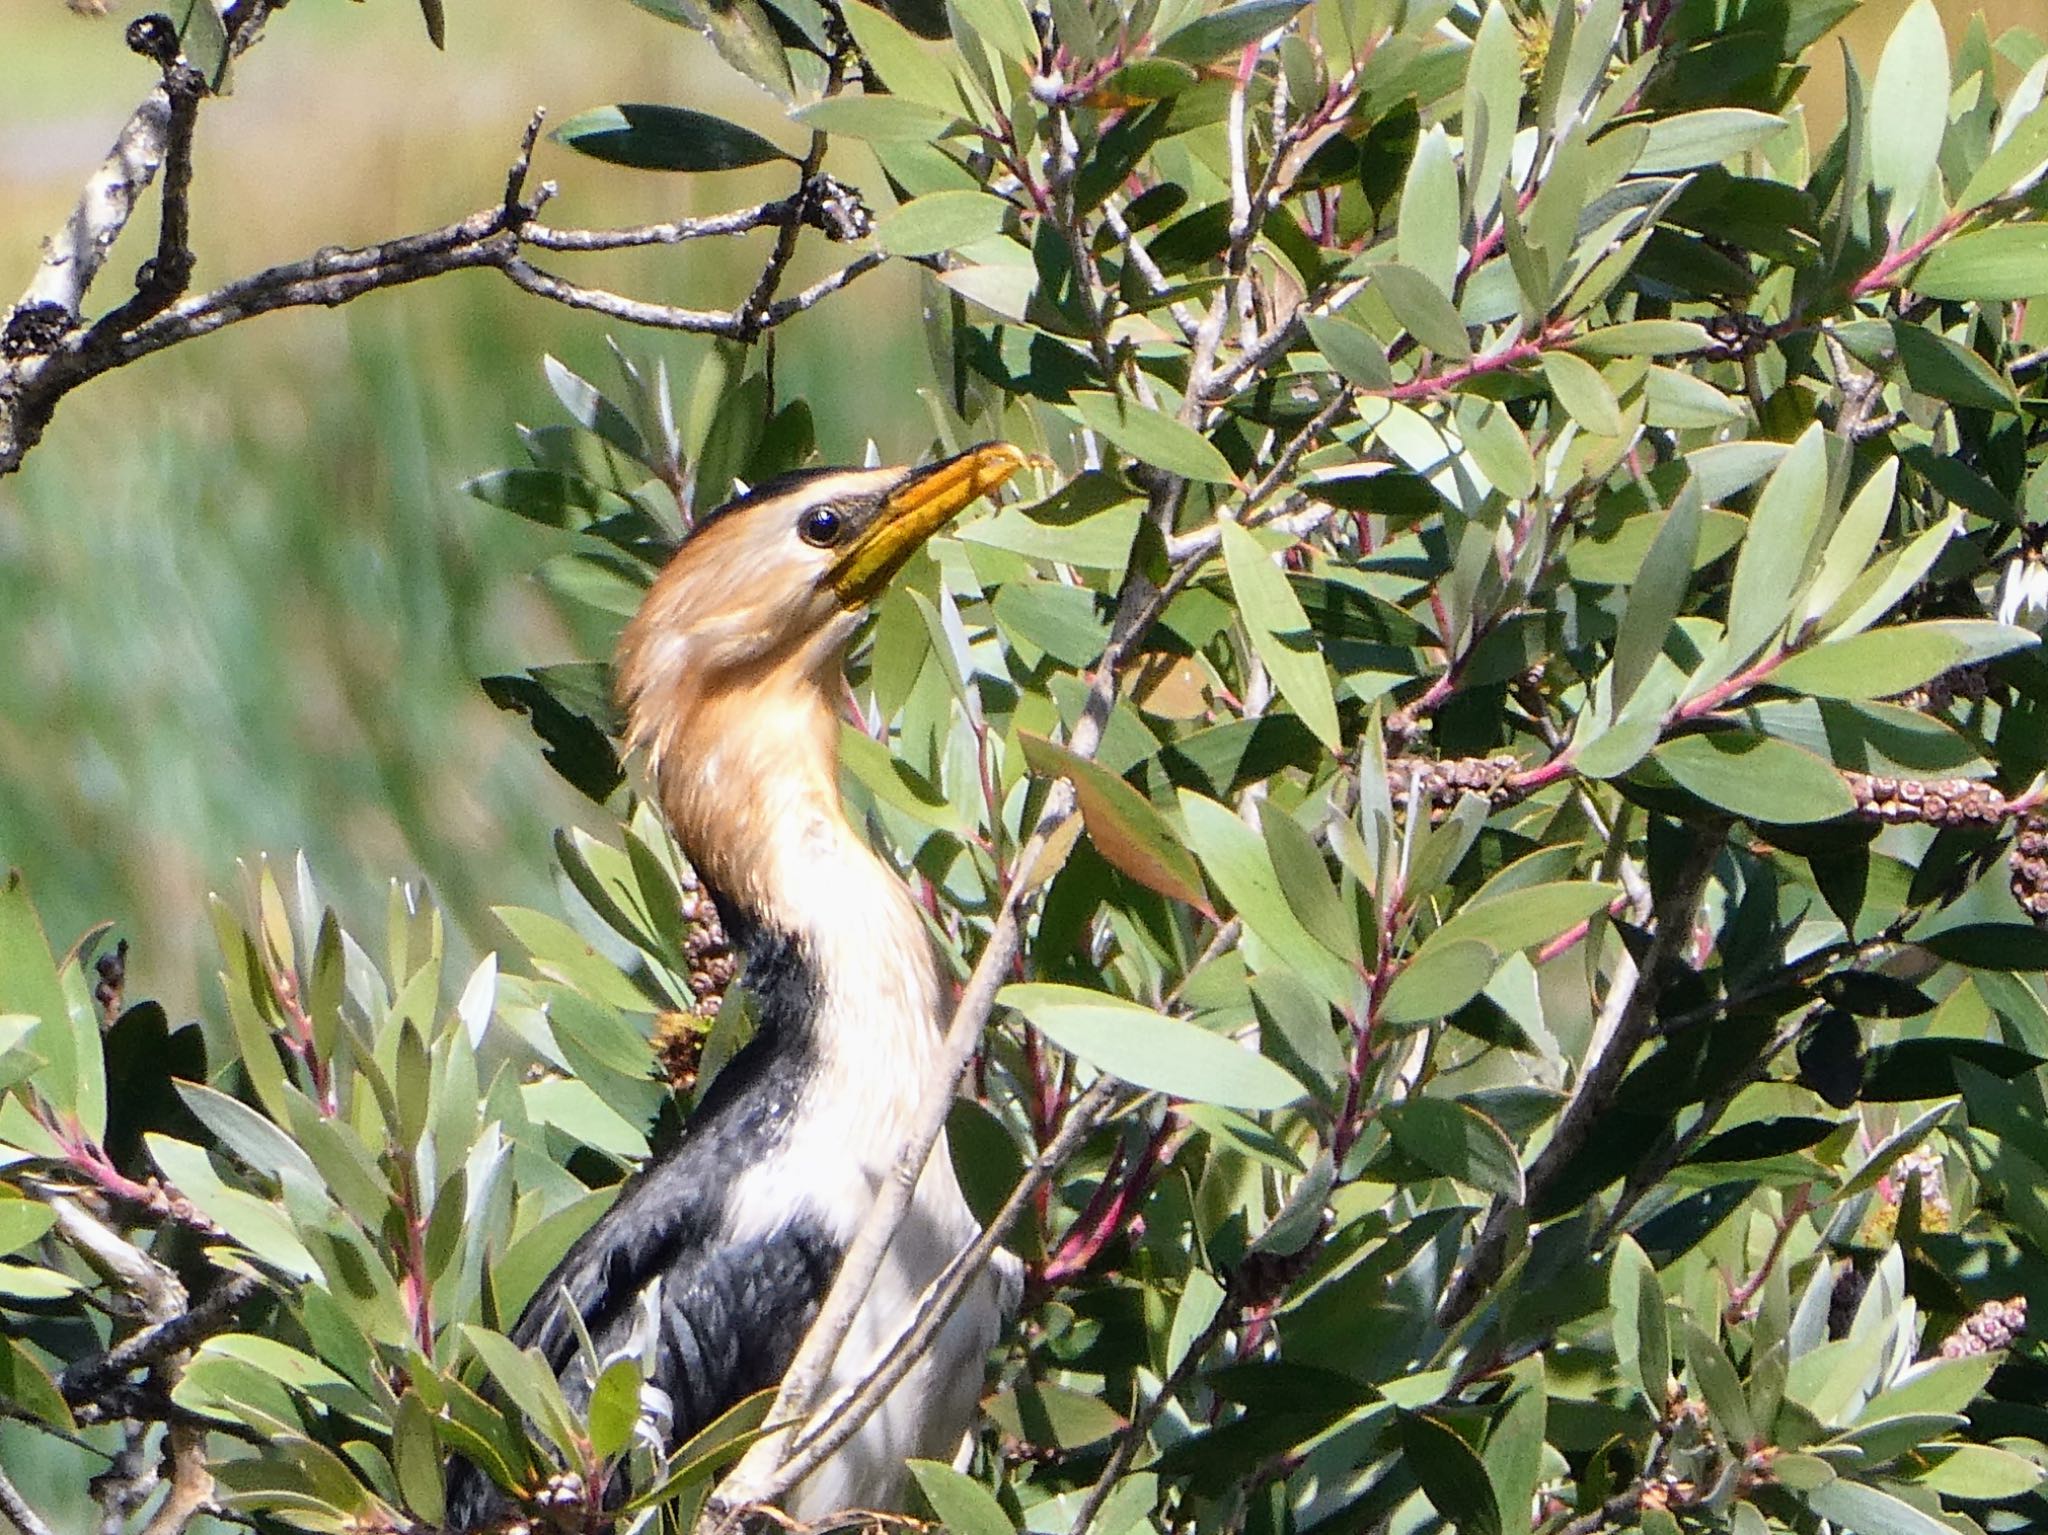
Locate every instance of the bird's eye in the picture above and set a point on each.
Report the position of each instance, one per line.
(819, 526)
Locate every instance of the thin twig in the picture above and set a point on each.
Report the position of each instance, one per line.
(1603, 1074)
(1134, 1436)
(843, 1416)
(17, 1510)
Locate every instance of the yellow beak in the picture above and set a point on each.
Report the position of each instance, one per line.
(914, 511)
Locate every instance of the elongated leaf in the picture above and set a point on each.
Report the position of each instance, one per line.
(1879, 663)
(1704, 138)
(1150, 1049)
(1280, 633)
(1152, 436)
(1781, 531)
(1443, 975)
(1458, 1141)
(963, 1505)
(1235, 26)
(900, 58)
(660, 138)
(941, 221)
(1756, 777)
(1642, 1331)
(1866, 1511)
(1424, 312)
(1452, 1475)
(1908, 111)
(1427, 230)
(1658, 593)
(1122, 823)
(1987, 265)
(1583, 393)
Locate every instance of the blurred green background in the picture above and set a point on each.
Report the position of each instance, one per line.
(243, 604)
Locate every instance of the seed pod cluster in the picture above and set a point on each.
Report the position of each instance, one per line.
(1442, 783)
(1966, 684)
(712, 964)
(1993, 1325)
(2029, 862)
(1932, 802)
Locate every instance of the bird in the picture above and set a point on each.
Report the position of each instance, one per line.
(716, 1257)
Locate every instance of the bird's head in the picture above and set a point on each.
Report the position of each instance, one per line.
(764, 595)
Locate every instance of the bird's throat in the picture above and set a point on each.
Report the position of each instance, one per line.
(749, 779)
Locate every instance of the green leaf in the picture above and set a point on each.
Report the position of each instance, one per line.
(1908, 115)
(940, 222)
(659, 138)
(1692, 139)
(23, 1221)
(1756, 777)
(1442, 976)
(963, 1505)
(1498, 448)
(1004, 25)
(1150, 1049)
(1781, 532)
(1850, 545)
(1122, 823)
(1493, 105)
(1452, 1475)
(1523, 917)
(1642, 1329)
(1879, 663)
(1862, 1510)
(1236, 861)
(1423, 310)
(1280, 633)
(1352, 350)
(73, 1078)
(1583, 393)
(1658, 593)
(1979, 1473)
(1208, 38)
(878, 119)
(741, 32)
(1987, 265)
(2014, 165)
(1041, 1413)
(614, 1408)
(1305, 881)
(1642, 338)
(1426, 234)
(1152, 436)
(1714, 1377)
(1949, 371)
(562, 954)
(1458, 1141)
(416, 1459)
(900, 58)
(27, 1386)
(1878, 590)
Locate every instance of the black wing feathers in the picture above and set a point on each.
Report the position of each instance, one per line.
(731, 1314)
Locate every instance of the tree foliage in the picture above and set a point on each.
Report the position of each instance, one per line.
(1501, 748)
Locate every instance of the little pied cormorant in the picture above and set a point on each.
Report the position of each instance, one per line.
(720, 1251)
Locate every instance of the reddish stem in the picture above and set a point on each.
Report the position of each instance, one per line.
(1886, 273)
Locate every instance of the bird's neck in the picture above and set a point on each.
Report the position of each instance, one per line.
(749, 780)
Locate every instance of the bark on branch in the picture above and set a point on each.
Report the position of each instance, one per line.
(48, 347)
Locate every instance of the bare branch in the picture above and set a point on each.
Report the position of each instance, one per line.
(842, 1417)
(17, 1510)
(84, 1378)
